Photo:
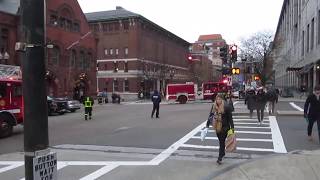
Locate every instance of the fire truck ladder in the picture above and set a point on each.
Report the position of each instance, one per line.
(10, 72)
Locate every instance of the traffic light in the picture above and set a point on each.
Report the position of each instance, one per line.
(235, 71)
(233, 53)
(224, 54)
(256, 78)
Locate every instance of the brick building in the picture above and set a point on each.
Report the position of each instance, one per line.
(71, 64)
(135, 54)
(213, 42)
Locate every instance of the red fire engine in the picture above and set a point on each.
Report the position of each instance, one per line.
(211, 89)
(181, 92)
(11, 100)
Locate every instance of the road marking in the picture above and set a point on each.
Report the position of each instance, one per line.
(244, 123)
(166, 153)
(252, 120)
(251, 127)
(246, 132)
(238, 139)
(296, 106)
(11, 166)
(217, 147)
(100, 172)
(278, 143)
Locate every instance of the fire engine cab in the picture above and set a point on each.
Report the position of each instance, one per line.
(11, 100)
(211, 89)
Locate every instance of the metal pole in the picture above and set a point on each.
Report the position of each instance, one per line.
(34, 89)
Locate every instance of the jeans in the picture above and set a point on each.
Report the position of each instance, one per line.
(310, 125)
(155, 108)
(260, 113)
(222, 143)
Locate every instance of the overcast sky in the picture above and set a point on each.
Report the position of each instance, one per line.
(234, 19)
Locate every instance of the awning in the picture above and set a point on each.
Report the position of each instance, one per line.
(306, 68)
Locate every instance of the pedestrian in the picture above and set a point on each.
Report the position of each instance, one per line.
(303, 90)
(156, 99)
(312, 111)
(222, 123)
(250, 100)
(261, 101)
(88, 104)
(105, 95)
(272, 98)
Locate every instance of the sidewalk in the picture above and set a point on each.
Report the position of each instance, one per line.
(293, 166)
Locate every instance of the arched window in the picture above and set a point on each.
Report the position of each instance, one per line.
(73, 57)
(81, 60)
(55, 55)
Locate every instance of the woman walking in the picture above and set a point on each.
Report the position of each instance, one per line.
(250, 100)
(312, 111)
(222, 123)
(261, 101)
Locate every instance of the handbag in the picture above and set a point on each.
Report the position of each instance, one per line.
(231, 143)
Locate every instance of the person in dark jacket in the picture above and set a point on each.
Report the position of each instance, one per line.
(222, 115)
(312, 111)
(250, 100)
(156, 99)
(261, 101)
(272, 98)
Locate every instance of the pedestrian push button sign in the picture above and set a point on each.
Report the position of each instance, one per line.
(45, 167)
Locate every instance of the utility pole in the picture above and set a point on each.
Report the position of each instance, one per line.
(33, 76)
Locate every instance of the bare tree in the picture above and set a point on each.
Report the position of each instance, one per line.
(257, 49)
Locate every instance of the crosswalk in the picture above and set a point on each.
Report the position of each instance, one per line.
(252, 137)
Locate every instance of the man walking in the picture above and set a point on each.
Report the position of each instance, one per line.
(272, 97)
(156, 99)
(261, 101)
(88, 103)
(250, 100)
(312, 111)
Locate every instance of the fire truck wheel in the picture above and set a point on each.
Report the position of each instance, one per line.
(182, 99)
(6, 127)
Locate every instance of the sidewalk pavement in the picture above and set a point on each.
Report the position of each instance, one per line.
(293, 166)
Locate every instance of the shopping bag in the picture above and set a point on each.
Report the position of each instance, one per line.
(204, 133)
(231, 143)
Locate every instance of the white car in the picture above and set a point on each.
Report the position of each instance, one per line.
(235, 94)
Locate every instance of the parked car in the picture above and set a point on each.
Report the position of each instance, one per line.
(287, 93)
(61, 104)
(52, 106)
(71, 105)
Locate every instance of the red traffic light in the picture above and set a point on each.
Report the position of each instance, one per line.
(190, 57)
(234, 48)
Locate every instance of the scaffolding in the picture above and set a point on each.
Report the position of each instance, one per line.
(10, 72)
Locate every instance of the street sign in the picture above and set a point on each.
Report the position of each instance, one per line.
(45, 167)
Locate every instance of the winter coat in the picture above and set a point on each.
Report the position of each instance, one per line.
(261, 100)
(312, 107)
(250, 100)
(156, 98)
(272, 96)
(227, 120)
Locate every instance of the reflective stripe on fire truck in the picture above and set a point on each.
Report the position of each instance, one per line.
(14, 111)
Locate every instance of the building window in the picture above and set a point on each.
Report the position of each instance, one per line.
(55, 56)
(126, 25)
(73, 58)
(96, 28)
(116, 26)
(312, 34)
(88, 61)
(62, 22)
(115, 85)
(105, 67)
(302, 50)
(110, 27)
(115, 67)
(111, 51)
(126, 67)
(105, 51)
(126, 85)
(117, 51)
(126, 51)
(308, 37)
(53, 20)
(105, 27)
(76, 27)
(81, 60)
(68, 25)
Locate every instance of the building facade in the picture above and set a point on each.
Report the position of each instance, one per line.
(213, 42)
(296, 47)
(71, 63)
(135, 54)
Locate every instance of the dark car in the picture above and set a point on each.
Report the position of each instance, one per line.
(71, 105)
(61, 104)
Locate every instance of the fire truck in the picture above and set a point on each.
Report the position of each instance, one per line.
(211, 89)
(181, 92)
(11, 100)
